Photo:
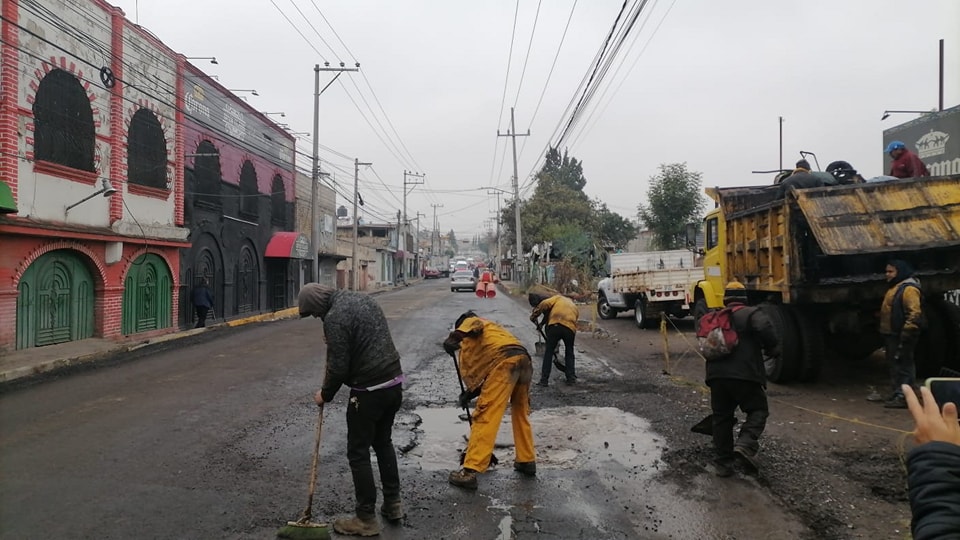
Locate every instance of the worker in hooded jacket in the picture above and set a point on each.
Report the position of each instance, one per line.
(900, 319)
(362, 356)
(497, 368)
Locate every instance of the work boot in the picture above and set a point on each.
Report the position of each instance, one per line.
(465, 478)
(748, 458)
(543, 383)
(392, 511)
(896, 402)
(528, 468)
(571, 380)
(356, 526)
(722, 469)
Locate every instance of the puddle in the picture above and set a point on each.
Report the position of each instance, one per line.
(565, 438)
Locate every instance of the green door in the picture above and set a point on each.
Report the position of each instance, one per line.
(147, 295)
(55, 303)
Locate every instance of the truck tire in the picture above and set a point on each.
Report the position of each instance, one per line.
(939, 344)
(811, 345)
(640, 314)
(604, 310)
(787, 367)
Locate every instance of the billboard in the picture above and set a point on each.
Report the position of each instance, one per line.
(934, 137)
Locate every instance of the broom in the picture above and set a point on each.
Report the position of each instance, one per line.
(303, 528)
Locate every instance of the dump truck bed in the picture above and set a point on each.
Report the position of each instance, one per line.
(832, 243)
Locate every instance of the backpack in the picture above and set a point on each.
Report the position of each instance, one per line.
(716, 333)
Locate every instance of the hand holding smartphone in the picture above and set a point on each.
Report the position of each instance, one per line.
(934, 423)
(944, 389)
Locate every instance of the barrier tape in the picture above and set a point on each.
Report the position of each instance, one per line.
(666, 350)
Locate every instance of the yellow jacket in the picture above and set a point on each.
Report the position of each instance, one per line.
(910, 300)
(484, 345)
(561, 310)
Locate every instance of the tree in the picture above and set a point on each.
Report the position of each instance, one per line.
(559, 209)
(612, 228)
(673, 200)
(452, 240)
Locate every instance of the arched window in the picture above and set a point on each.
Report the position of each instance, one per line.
(146, 151)
(249, 193)
(206, 171)
(278, 201)
(64, 132)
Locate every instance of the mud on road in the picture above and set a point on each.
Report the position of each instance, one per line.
(832, 458)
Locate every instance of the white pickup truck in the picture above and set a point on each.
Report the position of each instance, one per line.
(649, 283)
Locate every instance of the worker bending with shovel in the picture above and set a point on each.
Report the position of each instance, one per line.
(560, 317)
(496, 367)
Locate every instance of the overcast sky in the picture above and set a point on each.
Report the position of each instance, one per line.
(699, 81)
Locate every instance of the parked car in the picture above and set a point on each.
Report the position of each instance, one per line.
(431, 273)
(463, 279)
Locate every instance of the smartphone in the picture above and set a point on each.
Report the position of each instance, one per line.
(944, 389)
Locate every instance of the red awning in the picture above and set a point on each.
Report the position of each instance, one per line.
(288, 245)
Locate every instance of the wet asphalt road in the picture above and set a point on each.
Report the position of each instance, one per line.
(212, 439)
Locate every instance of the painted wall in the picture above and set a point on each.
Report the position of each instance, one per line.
(149, 68)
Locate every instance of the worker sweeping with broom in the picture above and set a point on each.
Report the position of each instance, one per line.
(362, 356)
(496, 369)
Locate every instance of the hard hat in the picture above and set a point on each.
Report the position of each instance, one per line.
(894, 145)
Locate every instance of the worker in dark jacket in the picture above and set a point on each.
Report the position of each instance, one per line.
(905, 164)
(933, 468)
(739, 380)
(900, 319)
(202, 302)
(362, 356)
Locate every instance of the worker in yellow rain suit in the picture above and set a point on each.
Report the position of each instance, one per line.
(560, 316)
(497, 368)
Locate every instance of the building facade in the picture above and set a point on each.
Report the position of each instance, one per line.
(238, 204)
(376, 248)
(91, 158)
(325, 215)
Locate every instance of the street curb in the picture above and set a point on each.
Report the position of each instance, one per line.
(288, 313)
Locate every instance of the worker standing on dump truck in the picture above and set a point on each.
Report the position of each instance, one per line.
(905, 164)
(497, 368)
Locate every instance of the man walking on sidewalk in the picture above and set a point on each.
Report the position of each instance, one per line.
(202, 302)
(362, 356)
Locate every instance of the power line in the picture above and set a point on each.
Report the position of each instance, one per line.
(523, 71)
(506, 79)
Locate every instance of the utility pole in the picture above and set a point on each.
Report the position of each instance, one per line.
(781, 143)
(499, 256)
(516, 191)
(436, 229)
(355, 282)
(416, 246)
(406, 224)
(315, 173)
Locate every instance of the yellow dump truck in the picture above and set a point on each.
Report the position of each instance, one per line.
(815, 260)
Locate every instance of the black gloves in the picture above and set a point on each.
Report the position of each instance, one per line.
(466, 397)
(451, 346)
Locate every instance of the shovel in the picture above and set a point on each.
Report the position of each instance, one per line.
(541, 347)
(466, 408)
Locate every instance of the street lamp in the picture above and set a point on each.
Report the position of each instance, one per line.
(886, 114)
(282, 115)
(254, 92)
(107, 190)
(212, 59)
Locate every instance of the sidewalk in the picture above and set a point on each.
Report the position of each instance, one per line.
(47, 360)
(39, 361)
